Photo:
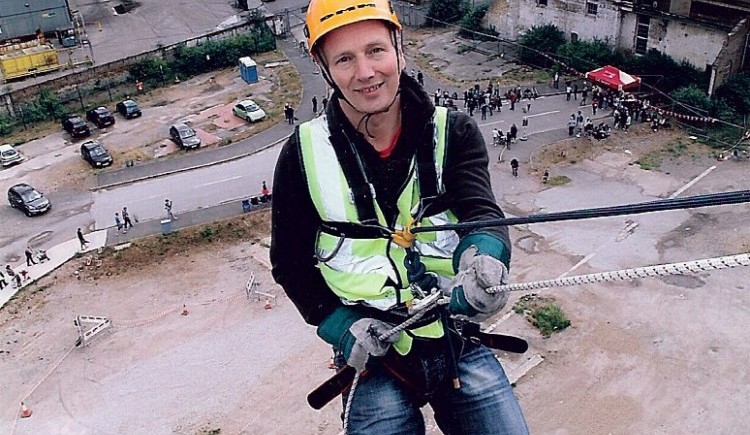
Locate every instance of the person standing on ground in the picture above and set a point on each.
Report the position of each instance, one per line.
(265, 190)
(420, 78)
(545, 177)
(514, 167)
(324, 103)
(379, 127)
(81, 239)
(584, 94)
(556, 80)
(513, 133)
(118, 223)
(3, 282)
(168, 208)
(575, 91)
(571, 124)
(127, 223)
(315, 105)
(29, 256)
(568, 91)
(495, 137)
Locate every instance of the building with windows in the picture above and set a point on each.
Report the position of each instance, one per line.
(710, 34)
(22, 19)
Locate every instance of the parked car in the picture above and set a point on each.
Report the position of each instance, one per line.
(75, 126)
(101, 117)
(249, 111)
(27, 199)
(128, 109)
(184, 136)
(94, 153)
(9, 155)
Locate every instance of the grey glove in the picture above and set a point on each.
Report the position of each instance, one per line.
(366, 344)
(467, 290)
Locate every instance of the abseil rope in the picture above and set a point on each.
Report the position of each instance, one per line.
(708, 200)
(703, 265)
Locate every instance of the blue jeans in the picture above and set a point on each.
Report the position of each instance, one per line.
(484, 405)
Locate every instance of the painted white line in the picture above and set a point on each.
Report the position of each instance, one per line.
(693, 181)
(219, 181)
(543, 114)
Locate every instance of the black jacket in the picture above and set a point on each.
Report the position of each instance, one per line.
(295, 220)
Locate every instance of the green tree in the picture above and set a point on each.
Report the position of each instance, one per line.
(545, 39)
(693, 96)
(586, 55)
(736, 93)
(448, 11)
(471, 22)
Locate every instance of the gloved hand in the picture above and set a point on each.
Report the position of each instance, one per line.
(475, 274)
(355, 335)
(366, 342)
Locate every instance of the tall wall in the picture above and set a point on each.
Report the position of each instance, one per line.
(17, 19)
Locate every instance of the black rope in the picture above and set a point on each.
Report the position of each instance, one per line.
(708, 200)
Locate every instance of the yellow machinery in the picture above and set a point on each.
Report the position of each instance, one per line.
(29, 61)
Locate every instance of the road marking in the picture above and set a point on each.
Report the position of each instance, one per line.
(693, 181)
(219, 181)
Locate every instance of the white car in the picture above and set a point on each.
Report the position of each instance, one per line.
(9, 155)
(248, 110)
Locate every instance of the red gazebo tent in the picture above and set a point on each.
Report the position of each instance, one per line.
(614, 78)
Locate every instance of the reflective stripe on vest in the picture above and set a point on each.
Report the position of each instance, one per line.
(365, 270)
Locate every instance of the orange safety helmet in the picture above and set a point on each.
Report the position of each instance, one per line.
(326, 15)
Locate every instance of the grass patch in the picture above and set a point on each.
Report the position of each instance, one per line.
(543, 313)
(650, 161)
(558, 180)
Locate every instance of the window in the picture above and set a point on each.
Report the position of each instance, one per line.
(592, 8)
(573, 37)
(541, 2)
(641, 34)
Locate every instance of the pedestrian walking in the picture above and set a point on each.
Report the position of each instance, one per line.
(495, 137)
(118, 223)
(127, 223)
(168, 208)
(584, 94)
(484, 112)
(315, 104)
(312, 180)
(3, 282)
(324, 102)
(594, 105)
(81, 239)
(29, 256)
(545, 177)
(265, 190)
(514, 167)
(17, 280)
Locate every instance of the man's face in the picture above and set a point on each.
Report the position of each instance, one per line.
(363, 63)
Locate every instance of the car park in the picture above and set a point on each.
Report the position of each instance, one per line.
(100, 116)
(9, 155)
(75, 126)
(249, 111)
(95, 154)
(128, 109)
(27, 199)
(184, 136)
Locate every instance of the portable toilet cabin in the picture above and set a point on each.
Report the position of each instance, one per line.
(248, 70)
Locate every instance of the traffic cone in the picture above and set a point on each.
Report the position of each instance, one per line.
(268, 305)
(25, 412)
(185, 311)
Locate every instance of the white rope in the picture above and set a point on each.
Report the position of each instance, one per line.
(703, 265)
(349, 400)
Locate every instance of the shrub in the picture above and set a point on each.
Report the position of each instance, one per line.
(545, 39)
(444, 11)
(586, 55)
